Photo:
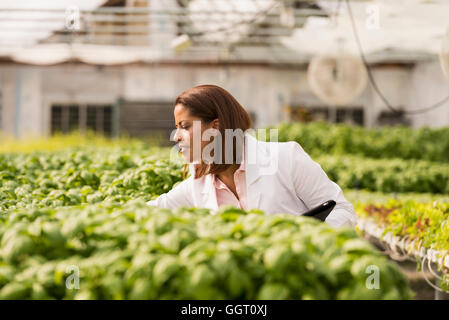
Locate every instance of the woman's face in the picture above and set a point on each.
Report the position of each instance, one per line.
(185, 137)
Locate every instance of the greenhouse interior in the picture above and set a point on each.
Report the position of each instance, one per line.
(114, 122)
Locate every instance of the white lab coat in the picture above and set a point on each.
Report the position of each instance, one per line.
(280, 178)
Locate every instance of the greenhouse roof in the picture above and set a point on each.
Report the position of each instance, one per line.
(37, 32)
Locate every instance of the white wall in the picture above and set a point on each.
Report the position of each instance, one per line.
(433, 87)
(256, 88)
(28, 92)
(8, 78)
(78, 84)
(22, 101)
(394, 84)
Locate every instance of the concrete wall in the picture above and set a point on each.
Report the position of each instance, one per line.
(28, 92)
(8, 84)
(433, 87)
(22, 101)
(79, 84)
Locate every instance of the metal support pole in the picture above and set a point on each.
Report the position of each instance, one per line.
(116, 118)
(18, 102)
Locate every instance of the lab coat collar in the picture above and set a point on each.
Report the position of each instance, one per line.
(255, 155)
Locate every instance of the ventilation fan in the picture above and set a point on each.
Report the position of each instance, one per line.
(444, 54)
(337, 80)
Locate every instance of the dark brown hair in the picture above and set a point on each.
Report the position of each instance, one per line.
(209, 102)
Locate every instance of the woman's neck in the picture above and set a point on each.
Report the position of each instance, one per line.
(228, 173)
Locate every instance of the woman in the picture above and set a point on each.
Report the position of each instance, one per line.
(229, 166)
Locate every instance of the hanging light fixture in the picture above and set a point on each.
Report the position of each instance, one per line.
(43, 54)
(181, 43)
(287, 14)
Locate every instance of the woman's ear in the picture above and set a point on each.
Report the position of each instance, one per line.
(216, 124)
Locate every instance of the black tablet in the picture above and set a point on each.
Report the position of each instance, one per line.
(322, 211)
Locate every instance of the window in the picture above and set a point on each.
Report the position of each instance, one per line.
(349, 115)
(67, 118)
(147, 119)
(388, 118)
